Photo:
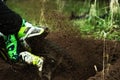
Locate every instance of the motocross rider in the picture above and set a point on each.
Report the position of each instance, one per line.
(14, 28)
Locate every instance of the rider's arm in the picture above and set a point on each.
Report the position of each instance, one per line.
(10, 22)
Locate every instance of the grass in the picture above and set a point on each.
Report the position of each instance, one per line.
(94, 25)
(48, 13)
(26, 9)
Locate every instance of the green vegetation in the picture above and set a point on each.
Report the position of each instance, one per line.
(97, 22)
(97, 26)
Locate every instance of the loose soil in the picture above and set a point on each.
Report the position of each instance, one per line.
(85, 52)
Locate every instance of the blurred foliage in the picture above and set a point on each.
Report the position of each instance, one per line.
(97, 23)
(93, 16)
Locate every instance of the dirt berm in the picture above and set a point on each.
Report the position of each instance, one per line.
(87, 53)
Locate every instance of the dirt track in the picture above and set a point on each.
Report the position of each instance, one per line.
(85, 52)
(89, 52)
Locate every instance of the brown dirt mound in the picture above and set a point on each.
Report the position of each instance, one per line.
(11, 72)
(85, 52)
(112, 73)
